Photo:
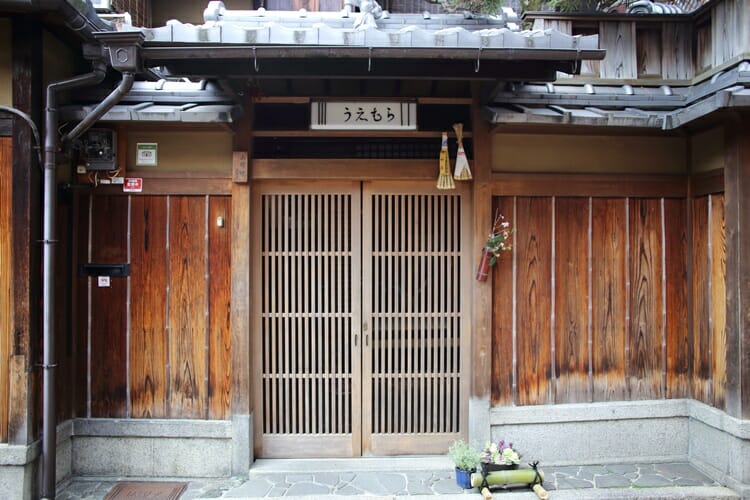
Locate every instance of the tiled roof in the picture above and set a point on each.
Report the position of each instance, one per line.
(625, 106)
(339, 29)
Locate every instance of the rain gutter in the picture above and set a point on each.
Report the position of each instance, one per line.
(123, 50)
(79, 15)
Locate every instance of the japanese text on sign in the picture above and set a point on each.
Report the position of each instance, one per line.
(364, 115)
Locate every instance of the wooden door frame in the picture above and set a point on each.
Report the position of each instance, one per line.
(304, 445)
(428, 444)
(408, 186)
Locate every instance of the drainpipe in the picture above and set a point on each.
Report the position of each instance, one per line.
(49, 426)
(123, 51)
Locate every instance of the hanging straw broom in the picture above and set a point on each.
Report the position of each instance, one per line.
(462, 171)
(445, 181)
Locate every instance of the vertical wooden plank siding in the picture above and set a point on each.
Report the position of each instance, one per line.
(677, 41)
(64, 344)
(186, 321)
(534, 294)
(6, 269)
(503, 350)
(571, 300)
(619, 38)
(109, 219)
(148, 286)
(163, 351)
(608, 298)
(677, 333)
(718, 300)
(220, 341)
(81, 212)
(645, 335)
(701, 309)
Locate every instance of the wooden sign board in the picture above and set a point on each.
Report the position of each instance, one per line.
(363, 115)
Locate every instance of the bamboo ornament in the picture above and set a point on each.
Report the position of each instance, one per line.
(445, 181)
(462, 171)
(508, 477)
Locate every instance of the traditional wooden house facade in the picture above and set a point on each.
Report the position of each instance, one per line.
(244, 267)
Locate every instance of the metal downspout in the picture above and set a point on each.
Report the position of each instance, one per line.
(49, 426)
(113, 98)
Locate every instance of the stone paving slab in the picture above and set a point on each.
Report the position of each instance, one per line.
(276, 480)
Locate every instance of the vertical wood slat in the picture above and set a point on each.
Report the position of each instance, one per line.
(608, 298)
(718, 301)
(571, 300)
(701, 306)
(649, 52)
(502, 317)
(646, 325)
(677, 42)
(147, 309)
(6, 270)
(534, 255)
(220, 340)
(619, 38)
(187, 305)
(677, 334)
(80, 306)
(108, 336)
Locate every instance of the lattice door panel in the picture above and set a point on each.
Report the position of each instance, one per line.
(414, 395)
(308, 359)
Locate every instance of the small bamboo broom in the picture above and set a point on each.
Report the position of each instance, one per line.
(462, 171)
(445, 181)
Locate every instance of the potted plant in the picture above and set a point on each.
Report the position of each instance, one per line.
(466, 459)
(499, 456)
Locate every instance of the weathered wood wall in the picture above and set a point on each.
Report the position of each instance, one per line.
(709, 300)
(592, 303)
(157, 344)
(6, 164)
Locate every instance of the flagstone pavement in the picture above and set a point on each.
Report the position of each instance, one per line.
(401, 477)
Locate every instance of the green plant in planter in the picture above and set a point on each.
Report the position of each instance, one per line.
(464, 456)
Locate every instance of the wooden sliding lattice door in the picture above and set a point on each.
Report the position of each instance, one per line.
(360, 327)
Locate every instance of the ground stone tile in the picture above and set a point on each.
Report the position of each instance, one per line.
(276, 491)
(418, 488)
(611, 481)
(571, 471)
(370, 484)
(685, 481)
(307, 488)
(567, 483)
(329, 478)
(348, 490)
(446, 487)
(622, 468)
(651, 481)
(297, 478)
(675, 470)
(254, 487)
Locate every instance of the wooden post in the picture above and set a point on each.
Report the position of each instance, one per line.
(481, 364)
(26, 41)
(242, 455)
(737, 203)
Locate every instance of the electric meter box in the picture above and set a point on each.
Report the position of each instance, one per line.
(99, 149)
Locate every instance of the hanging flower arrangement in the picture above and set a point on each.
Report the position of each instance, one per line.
(498, 241)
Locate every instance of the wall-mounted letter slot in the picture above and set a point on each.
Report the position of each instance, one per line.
(113, 270)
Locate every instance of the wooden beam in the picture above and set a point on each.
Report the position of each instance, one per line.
(599, 185)
(737, 203)
(26, 42)
(366, 170)
(707, 183)
(172, 186)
